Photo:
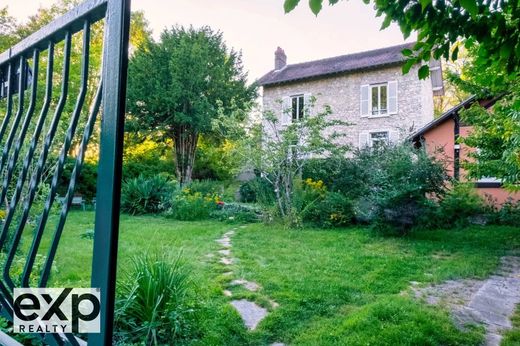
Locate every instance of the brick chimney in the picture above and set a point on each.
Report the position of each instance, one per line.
(280, 59)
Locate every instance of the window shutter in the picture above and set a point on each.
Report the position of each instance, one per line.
(364, 100)
(393, 137)
(286, 111)
(392, 97)
(363, 140)
(307, 104)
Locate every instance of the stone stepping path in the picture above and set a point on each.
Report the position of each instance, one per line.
(490, 302)
(250, 312)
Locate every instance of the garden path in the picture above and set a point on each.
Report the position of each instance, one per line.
(489, 303)
(250, 312)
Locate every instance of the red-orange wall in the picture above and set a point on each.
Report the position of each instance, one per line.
(443, 137)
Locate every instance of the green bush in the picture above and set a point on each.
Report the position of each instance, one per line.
(87, 183)
(234, 212)
(334, 210)
(257, 190)
(206, 187)
(187, 205)
(344, 175)
(509, 213)
(154, 306)
(399, 181)
(459, 204)
(143, 195)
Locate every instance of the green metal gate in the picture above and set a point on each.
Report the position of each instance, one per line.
(39, 132)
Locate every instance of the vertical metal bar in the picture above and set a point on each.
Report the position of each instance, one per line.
(89, 128)
(61, 162)
(36, 135)
(7, 116)
(25, 125)
(47, 144)
(14, 126)
(104, 263)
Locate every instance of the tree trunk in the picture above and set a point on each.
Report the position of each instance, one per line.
(185, 143)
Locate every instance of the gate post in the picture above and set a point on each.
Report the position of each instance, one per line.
(114, 76)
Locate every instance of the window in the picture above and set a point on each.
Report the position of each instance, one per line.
(378, 139)
(379, 99)
(297, 107)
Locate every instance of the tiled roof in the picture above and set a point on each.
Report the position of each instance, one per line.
(339, 64)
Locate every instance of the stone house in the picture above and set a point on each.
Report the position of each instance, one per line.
(367, 90)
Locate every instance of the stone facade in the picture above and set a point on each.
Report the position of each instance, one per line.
(343, 94)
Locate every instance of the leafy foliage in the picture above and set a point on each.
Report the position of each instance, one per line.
(459, 204)
(146, 195)
(492, 27)
(189, 205)
(278, 151)
(195, 75)
(154, 305)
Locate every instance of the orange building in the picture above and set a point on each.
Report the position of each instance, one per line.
(439, 138)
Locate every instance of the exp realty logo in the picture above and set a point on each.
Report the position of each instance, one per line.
(56, 310)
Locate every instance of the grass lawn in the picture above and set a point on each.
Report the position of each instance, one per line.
(334, 287)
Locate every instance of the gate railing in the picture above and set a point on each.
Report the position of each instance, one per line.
(32, 146)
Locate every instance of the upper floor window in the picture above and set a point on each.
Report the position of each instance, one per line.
(379, 99)
(297, 107)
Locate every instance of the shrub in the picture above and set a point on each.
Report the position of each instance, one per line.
(154, 305)
(188, 205)
(459, 204)
(257, 190)
(87, 183)
(345, 175)
(146, 195)
(234, 212)
(509, 213)
(334, 210)
(399, 181)
(206, 187)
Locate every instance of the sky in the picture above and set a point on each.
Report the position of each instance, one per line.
(258, 27)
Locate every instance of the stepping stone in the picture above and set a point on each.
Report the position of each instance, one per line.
(251, 286)
(210, 255)
(229, 234)
(278, 344)
(274, 305)
(226, 261)
(227, 293)
(225, 242)
(227, 273)
(248, 285)
(238, 282)
(225, 252)
(251, 313)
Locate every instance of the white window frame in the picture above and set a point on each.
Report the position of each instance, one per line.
(297, 97)
(370, 105)
(371, 133)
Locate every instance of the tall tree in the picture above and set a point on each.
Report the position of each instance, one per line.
(178, 85)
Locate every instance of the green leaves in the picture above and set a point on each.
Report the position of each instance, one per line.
(290, 5)
(424, 72)
(408, 65)
(470, 6)
(315, 6)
